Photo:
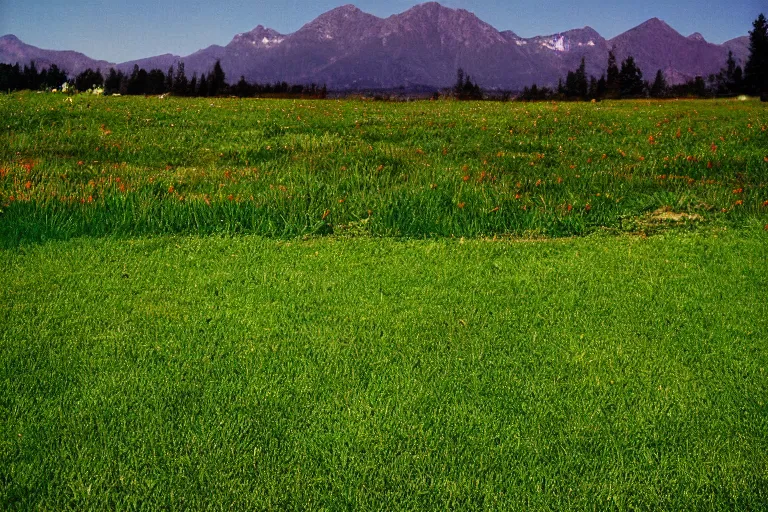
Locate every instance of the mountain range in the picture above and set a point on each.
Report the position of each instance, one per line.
(347, 48)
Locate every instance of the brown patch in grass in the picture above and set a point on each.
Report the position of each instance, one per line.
(665, 213)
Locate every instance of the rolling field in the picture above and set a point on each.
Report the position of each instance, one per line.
(292, 305)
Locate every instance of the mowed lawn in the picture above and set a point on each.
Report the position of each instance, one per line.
(249, 373)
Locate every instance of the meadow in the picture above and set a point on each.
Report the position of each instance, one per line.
(88, 165)
(292, 305)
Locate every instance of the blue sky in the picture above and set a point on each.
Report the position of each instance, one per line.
(120, 31)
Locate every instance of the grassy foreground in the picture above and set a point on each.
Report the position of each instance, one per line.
(251, 373)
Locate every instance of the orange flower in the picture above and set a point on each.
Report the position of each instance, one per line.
(738, 203)
(713, 147)
(230, 197)
(461, 205)
(466, 177)
(738, 190)
(587, 207)
(326, 213)
(765, 204)
(28, 185)
(171, 190)
(651, 140)
(709, 165)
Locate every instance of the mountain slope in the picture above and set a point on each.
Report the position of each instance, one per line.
(13, 50)
(347, 48)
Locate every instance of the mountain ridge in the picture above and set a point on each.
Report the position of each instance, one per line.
(347, 48)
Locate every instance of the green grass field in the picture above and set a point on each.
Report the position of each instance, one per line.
(247, 304)
(129, 166)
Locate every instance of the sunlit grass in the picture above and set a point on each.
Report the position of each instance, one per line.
(218, 372)
(250, 305)
(285, 168)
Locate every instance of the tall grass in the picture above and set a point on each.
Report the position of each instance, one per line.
(130, 166)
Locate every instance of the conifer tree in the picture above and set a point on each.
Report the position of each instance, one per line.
(659, 87)
(631, 83)
(612, 85)
(180, 83)
(756, 68)
(216, 80)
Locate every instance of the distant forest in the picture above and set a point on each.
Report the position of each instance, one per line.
(618, 81)
(141, 82)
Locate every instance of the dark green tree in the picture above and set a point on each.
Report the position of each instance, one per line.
(576, 86)
(202, 88)
(53, 77)
(112, 82)
(659, 87)
(459, 86)
(631, 83)
(612, 85)
(169, 80)
(180, 82)
(155, 82)
(217, 83)
(756, 68)
(137, 83)
(88, 79)
(31, 77)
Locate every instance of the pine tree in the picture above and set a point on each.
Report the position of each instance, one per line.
(216, 80)
(54, 77)
(202, 89)
(601, 88)
(169, 80)
(180, 83)
(459, 87)
(631, 83)
(88, 79)
(659, 87)
(612, 86)
(756, 68)
(592, 89)
(156, 82)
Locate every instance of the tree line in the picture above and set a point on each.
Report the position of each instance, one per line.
(624, 81)
(142, 82)
(627, 81)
